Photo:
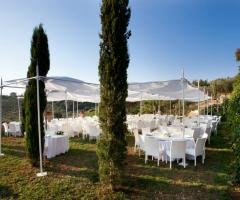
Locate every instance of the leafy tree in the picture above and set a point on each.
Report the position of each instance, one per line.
(13, 94)
(234, 119)
(40, 57)
(113, 64)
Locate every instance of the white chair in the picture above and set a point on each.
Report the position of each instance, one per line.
(14, 129)
(209, 132)
(136, 137)
(146, 131)
(152, 148)
(141, 143)
(214, 127)
(198, 150)
(177, 151)
(197, 133)
(205, 135)
(5, 126)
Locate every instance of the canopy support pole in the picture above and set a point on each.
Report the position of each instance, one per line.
(98, 108)
(179, 107)
(19, 111)
(77, 109)
(95, 109)
(1, 154)
(170, 107)
(73, 111)
(39, 126)
(204, 102)
(140, 106)
(207, 102)
(160, 108)
(183, 106)
(153, 107)
(66, 104)
(52, 110)
(211, 104)
(66, 108)
(198, 104)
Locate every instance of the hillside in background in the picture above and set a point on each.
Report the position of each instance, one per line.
(11, 112)
(10, 108)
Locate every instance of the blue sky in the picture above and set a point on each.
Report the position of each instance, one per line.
(200, 36)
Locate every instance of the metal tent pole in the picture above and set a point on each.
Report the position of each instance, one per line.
(204, 102)
(183, 104)
(140, 107)
(39, 126)
(170, 107)
(73, 110)
(1, 154)
(179, 107)
(66, 111)
(52, 110)
(211, 104)
(77, 110)
(95, 109)
(19, 111)
(198, 104)
(207, 102)
(66, 108)
(98, 108)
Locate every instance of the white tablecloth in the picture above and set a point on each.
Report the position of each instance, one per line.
(56, 144)
(14, 129)
(165, 142)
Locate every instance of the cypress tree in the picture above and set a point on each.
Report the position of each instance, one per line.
(40, 57)
(113, 64)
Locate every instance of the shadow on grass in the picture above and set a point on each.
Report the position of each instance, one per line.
(209, 180)
(17, 151)
(77, 163)
(153, 187)
(6, 192)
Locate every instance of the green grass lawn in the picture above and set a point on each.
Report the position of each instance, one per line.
(75, 176)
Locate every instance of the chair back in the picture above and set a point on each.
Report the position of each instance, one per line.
(146, 131)
(5, 125)
(151, 146)
(189, 132)
(197, 133)
(208, 131)
(178, 148)
(141, 141)
(214, 126)
(200, 146)
(12, 128)
(136, 136)
(205, 135)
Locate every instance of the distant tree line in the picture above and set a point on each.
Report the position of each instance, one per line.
(218, 86)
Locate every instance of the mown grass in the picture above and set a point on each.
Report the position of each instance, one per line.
(75, 176)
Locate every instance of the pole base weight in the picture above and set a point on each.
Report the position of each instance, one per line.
(41, 174)
(1, 154)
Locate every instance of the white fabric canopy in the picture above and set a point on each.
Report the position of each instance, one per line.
(66, 88)
(170, 90)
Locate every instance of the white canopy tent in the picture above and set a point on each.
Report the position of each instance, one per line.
(62, 88)
(66, 88)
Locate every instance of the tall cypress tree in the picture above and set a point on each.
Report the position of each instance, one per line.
(40, 57)
(113, 64)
